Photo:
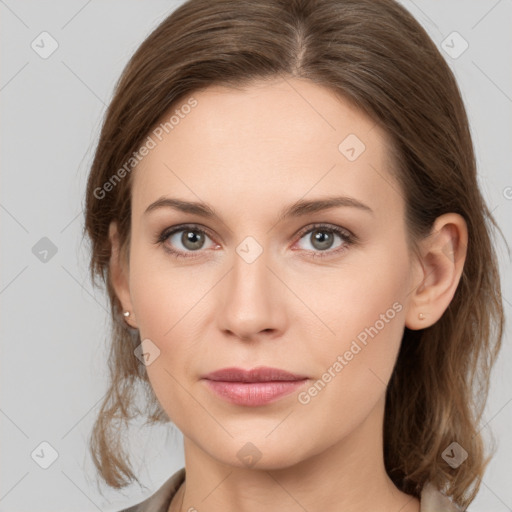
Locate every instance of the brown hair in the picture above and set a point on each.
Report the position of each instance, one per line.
(376, 55)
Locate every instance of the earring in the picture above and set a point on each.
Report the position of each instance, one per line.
(126, 314)
(421, 316)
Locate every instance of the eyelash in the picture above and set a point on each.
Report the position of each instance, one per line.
(347, 237)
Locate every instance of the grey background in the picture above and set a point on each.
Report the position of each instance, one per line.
(54, 325)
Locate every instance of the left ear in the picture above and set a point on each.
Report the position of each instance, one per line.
(442, 257)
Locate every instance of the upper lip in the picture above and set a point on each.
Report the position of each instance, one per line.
(259, 374)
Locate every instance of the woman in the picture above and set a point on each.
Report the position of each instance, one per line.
(284, 208)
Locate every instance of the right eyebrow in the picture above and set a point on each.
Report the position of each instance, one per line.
(202, 209)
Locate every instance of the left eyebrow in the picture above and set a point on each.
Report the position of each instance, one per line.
(297, 209)
(306, 207)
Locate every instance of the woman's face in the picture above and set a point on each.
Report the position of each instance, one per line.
(258, 288)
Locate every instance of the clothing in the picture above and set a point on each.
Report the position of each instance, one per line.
(431, 499)
(161, 499)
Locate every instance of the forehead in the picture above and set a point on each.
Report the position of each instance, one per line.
(272, 141)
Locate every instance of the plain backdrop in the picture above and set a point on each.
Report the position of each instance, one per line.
(54, 325)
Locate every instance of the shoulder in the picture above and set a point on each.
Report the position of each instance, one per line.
(433, 500)
(160, 500)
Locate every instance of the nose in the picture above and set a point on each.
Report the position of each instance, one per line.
(251, 299)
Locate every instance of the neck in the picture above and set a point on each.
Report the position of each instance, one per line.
(349, 475)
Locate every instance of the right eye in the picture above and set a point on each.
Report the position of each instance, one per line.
(191, 238)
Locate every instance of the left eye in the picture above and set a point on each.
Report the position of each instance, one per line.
(322, 238)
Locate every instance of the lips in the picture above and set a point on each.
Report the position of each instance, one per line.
(259, 374)
(257, 387)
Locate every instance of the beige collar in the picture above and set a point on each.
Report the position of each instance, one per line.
(432, 500)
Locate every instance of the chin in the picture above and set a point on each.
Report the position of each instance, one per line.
(250, 452)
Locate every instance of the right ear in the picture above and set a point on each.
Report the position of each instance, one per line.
(119, 271)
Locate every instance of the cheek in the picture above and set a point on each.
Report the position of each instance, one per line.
(161, 295)
(363, 312)
(170, 308)
(163, 301)
(355, 362)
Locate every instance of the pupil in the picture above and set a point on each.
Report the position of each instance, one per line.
(324, 239)
(192, 239)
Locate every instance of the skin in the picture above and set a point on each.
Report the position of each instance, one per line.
(249, 153)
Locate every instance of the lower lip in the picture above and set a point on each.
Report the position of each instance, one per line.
(254, 393)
